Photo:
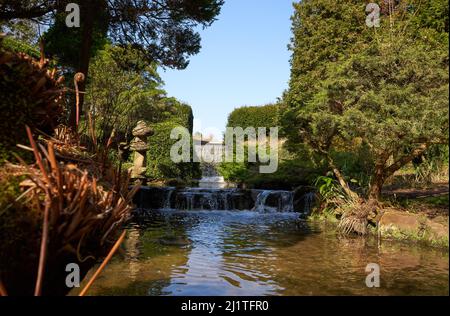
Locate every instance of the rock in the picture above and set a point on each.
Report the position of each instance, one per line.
(150, 198)
(139, 145)
(302, 201)
(393, 220)
(416, 227)
(243, 200)
(437, 231)
(175, 182)
(174, 241)
(142, 130)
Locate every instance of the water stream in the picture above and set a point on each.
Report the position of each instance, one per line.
(199, 243)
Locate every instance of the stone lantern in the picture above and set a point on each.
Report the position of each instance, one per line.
(140, 146)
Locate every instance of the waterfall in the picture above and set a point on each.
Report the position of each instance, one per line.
(309, 201)
(211, 179)
(260, 204)
(281, 201)
(167, 201)
(185, 201)
(286, 202)
(231, 199)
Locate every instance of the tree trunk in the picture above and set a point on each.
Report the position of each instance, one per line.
(88, 9)
(383, 172)
(377, 183)
(341, 179)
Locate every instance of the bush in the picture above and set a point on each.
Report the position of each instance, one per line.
(254, 116)
(293, 171)
(432, 166)
(290, 174)
(17, 46)
(356, 165)
(31, 94)
(234, 171)
(159, 164)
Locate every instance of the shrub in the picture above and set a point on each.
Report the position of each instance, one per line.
(254, 116)
(17, 46)
(234, 171)
(31, 94)
(159, 164)
(290, 174)
(293, 171)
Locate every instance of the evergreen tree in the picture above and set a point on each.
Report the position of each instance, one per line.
(165, 31)
(386, 86)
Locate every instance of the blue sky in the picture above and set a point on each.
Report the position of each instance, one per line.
(244, 60)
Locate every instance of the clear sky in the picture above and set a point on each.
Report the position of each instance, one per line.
(244, 60)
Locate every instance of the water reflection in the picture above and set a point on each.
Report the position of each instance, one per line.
(248, 253)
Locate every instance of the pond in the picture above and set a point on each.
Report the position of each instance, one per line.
(236, 253)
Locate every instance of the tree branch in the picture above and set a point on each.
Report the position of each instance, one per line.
(406, 159)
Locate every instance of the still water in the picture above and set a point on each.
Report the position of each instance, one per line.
(250, 253)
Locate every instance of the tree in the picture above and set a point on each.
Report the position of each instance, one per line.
(387, 87)
(124, 89)
(23, 30)
(164, 30)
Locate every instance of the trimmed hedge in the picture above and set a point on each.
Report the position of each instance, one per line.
(159, 164)
(254, 116)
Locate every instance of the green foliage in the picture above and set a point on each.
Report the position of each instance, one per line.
(433, 14)
(64, 43)
(20, 230)
(234, 171)
(248, 173)
(166, 30)
(254, 116)
(356, 165)
(293, 171)
(387, 87)
(324, 32)
(290, 174)
(123, 90)
(432, 166)
(328, 188)
(23, 31)
(14, 45)
(159, 164)
(9, 190)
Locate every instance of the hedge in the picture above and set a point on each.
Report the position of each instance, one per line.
(159, 164)
(254, 116)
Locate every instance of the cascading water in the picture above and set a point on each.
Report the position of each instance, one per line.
(309, 199)
(260, 204)
(211, 179)
(270, 201)
(286, 202)
(201, 199)
(167, 201)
